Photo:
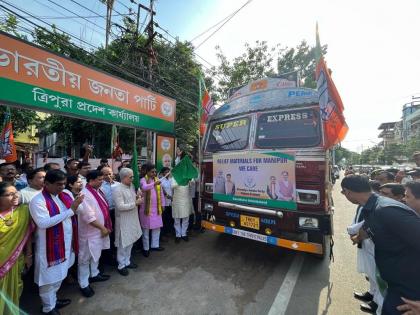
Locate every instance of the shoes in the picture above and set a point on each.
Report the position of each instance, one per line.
(157, 249)
(131, 266)
(87, 292)
(185, 238)
(145, 253)
(52, 312)
(365, 297)
(62, 303)
(123, 272)
(99, 278)
(369, 307)
(177, 239)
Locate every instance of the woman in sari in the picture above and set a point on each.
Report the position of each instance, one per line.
(16, 251)
(151, 210)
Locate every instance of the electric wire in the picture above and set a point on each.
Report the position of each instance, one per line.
(236, 12)
(113, 66)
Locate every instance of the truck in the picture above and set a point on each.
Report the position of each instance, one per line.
(265, 174)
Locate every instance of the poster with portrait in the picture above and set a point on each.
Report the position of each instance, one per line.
(255, 178)
(165, 151)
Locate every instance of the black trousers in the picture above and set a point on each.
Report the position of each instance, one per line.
(109, 256)
(168, 221)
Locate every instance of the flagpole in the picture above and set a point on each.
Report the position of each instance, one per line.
(199, 148)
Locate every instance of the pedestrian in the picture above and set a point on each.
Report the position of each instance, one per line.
(26, 167)
(94, 228)
(393, 190)
(127, 225)
(168, 221)
(16, 249)
(385, 177)
(72, 167)
(151, 210)
(56, 241)
(74, 185)
(109, 255)
(51, 166)
(412, 195)
(395, 231)
(414, 174)
(84, 168)
(181, 209)
(8, 174)
(36, 183)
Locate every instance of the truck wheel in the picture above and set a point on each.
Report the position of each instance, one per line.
(319, 239)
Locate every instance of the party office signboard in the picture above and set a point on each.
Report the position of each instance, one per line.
(35, 78)
(165, 151)
(255, 178)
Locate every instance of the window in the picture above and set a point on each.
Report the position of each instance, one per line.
(288, 129)
(228, 135)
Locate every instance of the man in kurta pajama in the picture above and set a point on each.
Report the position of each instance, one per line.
(151, 211)
(55, 239)
(127, 224)
(94, 228)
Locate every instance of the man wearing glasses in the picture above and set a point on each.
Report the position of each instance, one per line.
(395, 231)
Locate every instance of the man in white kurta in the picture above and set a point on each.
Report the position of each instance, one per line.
(127, 223)
(93, 234)
(49, 278)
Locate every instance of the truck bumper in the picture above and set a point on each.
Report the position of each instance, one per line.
(307, 247)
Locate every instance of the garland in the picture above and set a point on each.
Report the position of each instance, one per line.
(148, 201)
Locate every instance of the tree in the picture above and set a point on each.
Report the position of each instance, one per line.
(301, 58)
(257, 62)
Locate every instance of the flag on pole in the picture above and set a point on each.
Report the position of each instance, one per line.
(330, 103)
(184, 171)
(205, 104)
(7, 142)
(135, 168)
(116, 151)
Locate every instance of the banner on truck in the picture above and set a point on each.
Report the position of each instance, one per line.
(255, 178)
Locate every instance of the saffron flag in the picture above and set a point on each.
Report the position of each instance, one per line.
(116, 151)
(330, 103)
(7, 142)
(205, 105)
(184, 171)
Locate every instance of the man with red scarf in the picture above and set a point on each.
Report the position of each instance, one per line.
(56, 240)
(95, 225)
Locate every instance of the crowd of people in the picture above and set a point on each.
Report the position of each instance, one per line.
(60, 224)
(386, 229)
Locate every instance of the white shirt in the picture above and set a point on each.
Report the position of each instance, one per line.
(26, 194)
(39, 212)
(107, 190)
(166, 184)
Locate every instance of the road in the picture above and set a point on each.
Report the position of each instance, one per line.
(221, 274)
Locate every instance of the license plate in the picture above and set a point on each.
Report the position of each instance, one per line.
(250, 222)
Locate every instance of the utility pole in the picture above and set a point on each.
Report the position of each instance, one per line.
(109, 6)
(152, 59)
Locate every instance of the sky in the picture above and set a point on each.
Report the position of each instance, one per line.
(373, 46)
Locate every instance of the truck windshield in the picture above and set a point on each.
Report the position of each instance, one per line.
(288, 129)
(228, 135)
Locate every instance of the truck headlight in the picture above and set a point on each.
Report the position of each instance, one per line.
(308, 222)
(308, 197)
(208, 207)
(208, 188)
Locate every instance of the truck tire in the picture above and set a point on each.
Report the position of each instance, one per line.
(319, 238)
